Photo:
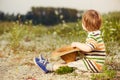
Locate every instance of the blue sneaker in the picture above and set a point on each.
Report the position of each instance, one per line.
(41, 63)
(41, 57)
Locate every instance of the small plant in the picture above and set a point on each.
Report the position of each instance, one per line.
(107, 74)
(64, 70)
(17, 34)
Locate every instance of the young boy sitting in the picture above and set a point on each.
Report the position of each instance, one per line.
(93, 49)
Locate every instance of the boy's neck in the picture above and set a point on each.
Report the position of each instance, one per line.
(94, 32)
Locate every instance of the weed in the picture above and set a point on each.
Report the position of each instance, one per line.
(17, 33)
(64, 70)
(107, 74)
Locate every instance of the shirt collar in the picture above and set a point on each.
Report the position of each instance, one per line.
(95, 32)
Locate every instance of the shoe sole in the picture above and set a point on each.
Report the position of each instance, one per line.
(38, 66)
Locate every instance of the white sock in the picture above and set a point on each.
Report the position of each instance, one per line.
(49, 66)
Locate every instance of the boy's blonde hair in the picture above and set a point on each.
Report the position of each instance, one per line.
(92, 20)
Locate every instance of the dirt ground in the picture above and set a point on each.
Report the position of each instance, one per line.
(22, 67)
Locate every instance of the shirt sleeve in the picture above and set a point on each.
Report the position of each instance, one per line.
(92, 43)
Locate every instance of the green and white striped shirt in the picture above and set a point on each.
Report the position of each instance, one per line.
(96, 58)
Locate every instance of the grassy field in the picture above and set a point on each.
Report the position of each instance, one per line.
(23, 39)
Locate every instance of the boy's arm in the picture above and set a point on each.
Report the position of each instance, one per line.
(82, 46)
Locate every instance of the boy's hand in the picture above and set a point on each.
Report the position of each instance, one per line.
(82, 46)
(75, 44)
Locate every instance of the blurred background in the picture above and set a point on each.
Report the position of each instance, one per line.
(23, 6)
(50, 12)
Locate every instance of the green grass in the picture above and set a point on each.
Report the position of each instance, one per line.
(64, 70)
(107, 74)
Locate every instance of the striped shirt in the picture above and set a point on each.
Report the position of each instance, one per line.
(96, 58)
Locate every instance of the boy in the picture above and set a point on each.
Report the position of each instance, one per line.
(93, 49)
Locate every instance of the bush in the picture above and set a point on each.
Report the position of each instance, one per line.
(107, 74)
(64, 70)
(111, 29)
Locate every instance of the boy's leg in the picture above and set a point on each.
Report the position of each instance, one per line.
(46, 66)
(56, 66)
(53, 66)
(79, 64)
